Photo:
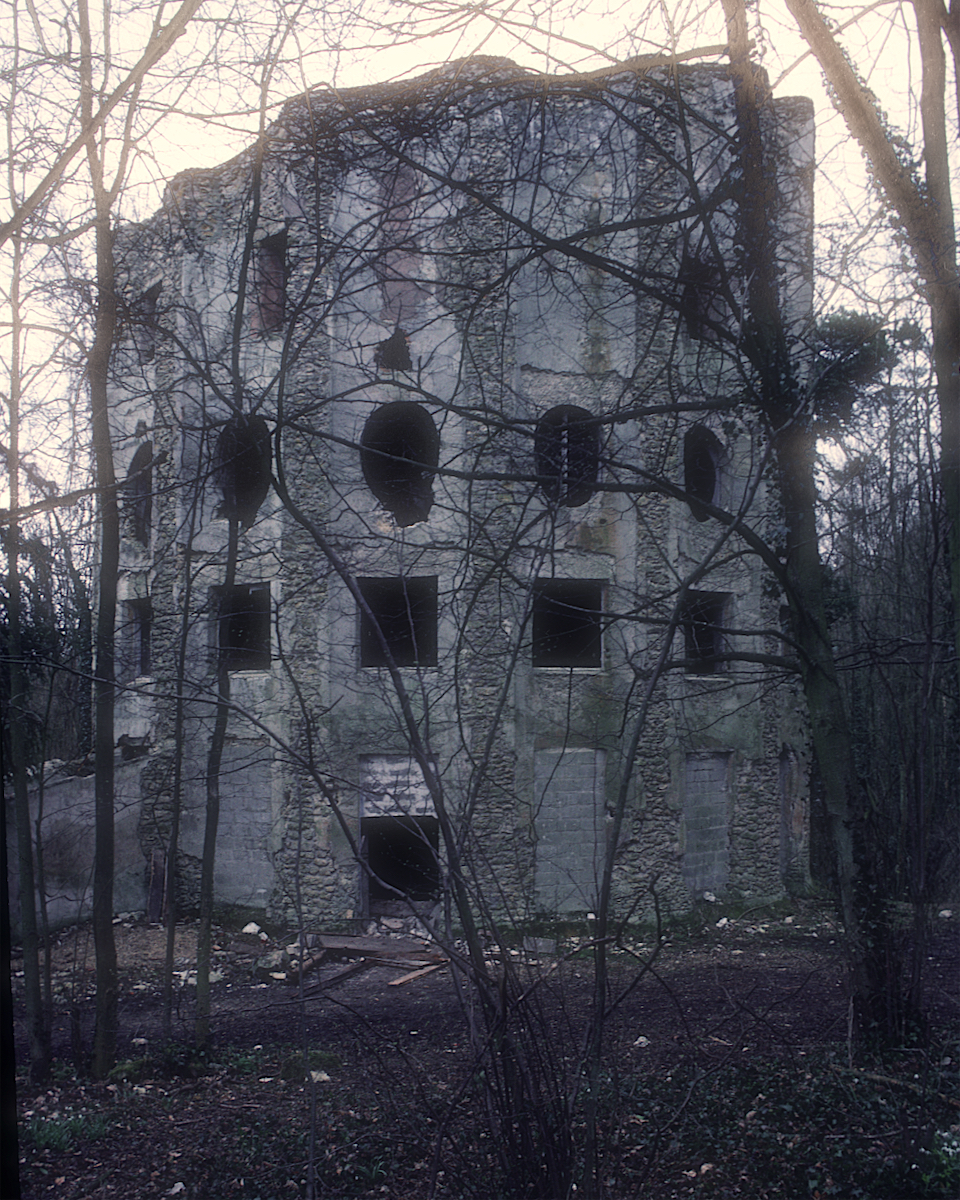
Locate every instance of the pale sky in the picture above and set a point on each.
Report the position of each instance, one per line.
(376, 42)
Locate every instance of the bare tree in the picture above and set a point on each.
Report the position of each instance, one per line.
(16, 722)
(888, 602)
(922, 210)
(44, 213)
(309, 301)
(362, 242)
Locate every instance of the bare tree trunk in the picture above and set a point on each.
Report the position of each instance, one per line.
(41, 869)
(794, 444)
(209, 855)
(829, 728)
(176, 795)
(105, 1036)
(10, 1159)
(927, 219)
(98, 364)
(37, 1031)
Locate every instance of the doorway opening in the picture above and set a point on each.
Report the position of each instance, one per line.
(401, 856)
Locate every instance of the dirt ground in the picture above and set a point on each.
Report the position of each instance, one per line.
(387, 1060)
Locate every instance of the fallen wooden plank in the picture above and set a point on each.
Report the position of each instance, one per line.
(404, 964)
(345, 945)
(416, 974)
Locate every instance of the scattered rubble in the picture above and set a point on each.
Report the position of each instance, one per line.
(415, 957)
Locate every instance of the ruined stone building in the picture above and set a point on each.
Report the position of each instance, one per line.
(426, 404)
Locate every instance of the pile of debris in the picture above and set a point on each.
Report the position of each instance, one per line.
(291, 964)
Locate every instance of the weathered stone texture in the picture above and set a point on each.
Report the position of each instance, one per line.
(522, 239)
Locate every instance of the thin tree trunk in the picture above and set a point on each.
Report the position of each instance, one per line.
(37, 1031)
(98, 365)
(208, 861)
(10, 1159)
(177, 789)
(105, 1035)
(830, 731)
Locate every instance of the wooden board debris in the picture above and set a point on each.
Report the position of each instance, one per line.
(404, 953)
(346, 946)
(437, 966)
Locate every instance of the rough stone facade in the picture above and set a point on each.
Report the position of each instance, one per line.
(542, 277)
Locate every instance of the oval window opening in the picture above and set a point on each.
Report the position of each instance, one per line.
(567, 448)
(399, 453)
(702, 452)
(244, 461)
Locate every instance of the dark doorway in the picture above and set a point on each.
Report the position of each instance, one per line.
(402, 854)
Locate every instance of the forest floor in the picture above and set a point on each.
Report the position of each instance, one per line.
(728, 1075)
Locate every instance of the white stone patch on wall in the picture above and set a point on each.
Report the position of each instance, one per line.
(705, 824)
(392, 785)
(568, 820)
(794, 822)
(67, 831)
(244, 871)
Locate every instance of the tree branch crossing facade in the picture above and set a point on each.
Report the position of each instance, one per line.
(440, 461)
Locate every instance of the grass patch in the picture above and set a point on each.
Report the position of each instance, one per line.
(63, 1131)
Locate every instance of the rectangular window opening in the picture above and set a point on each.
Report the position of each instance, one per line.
(136, 642)
(402, 855)
(702, 619)
(144, 319)
(405, 610)
(566, 622)
(699, 295)
(270, 279)
(244, 626)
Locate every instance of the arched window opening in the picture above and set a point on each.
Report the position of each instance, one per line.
(399, 452)
(699, 287)
(144, 321)
(244, 460)
(702, 454)
(567, 448)
(139, 490)
(270, 284)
